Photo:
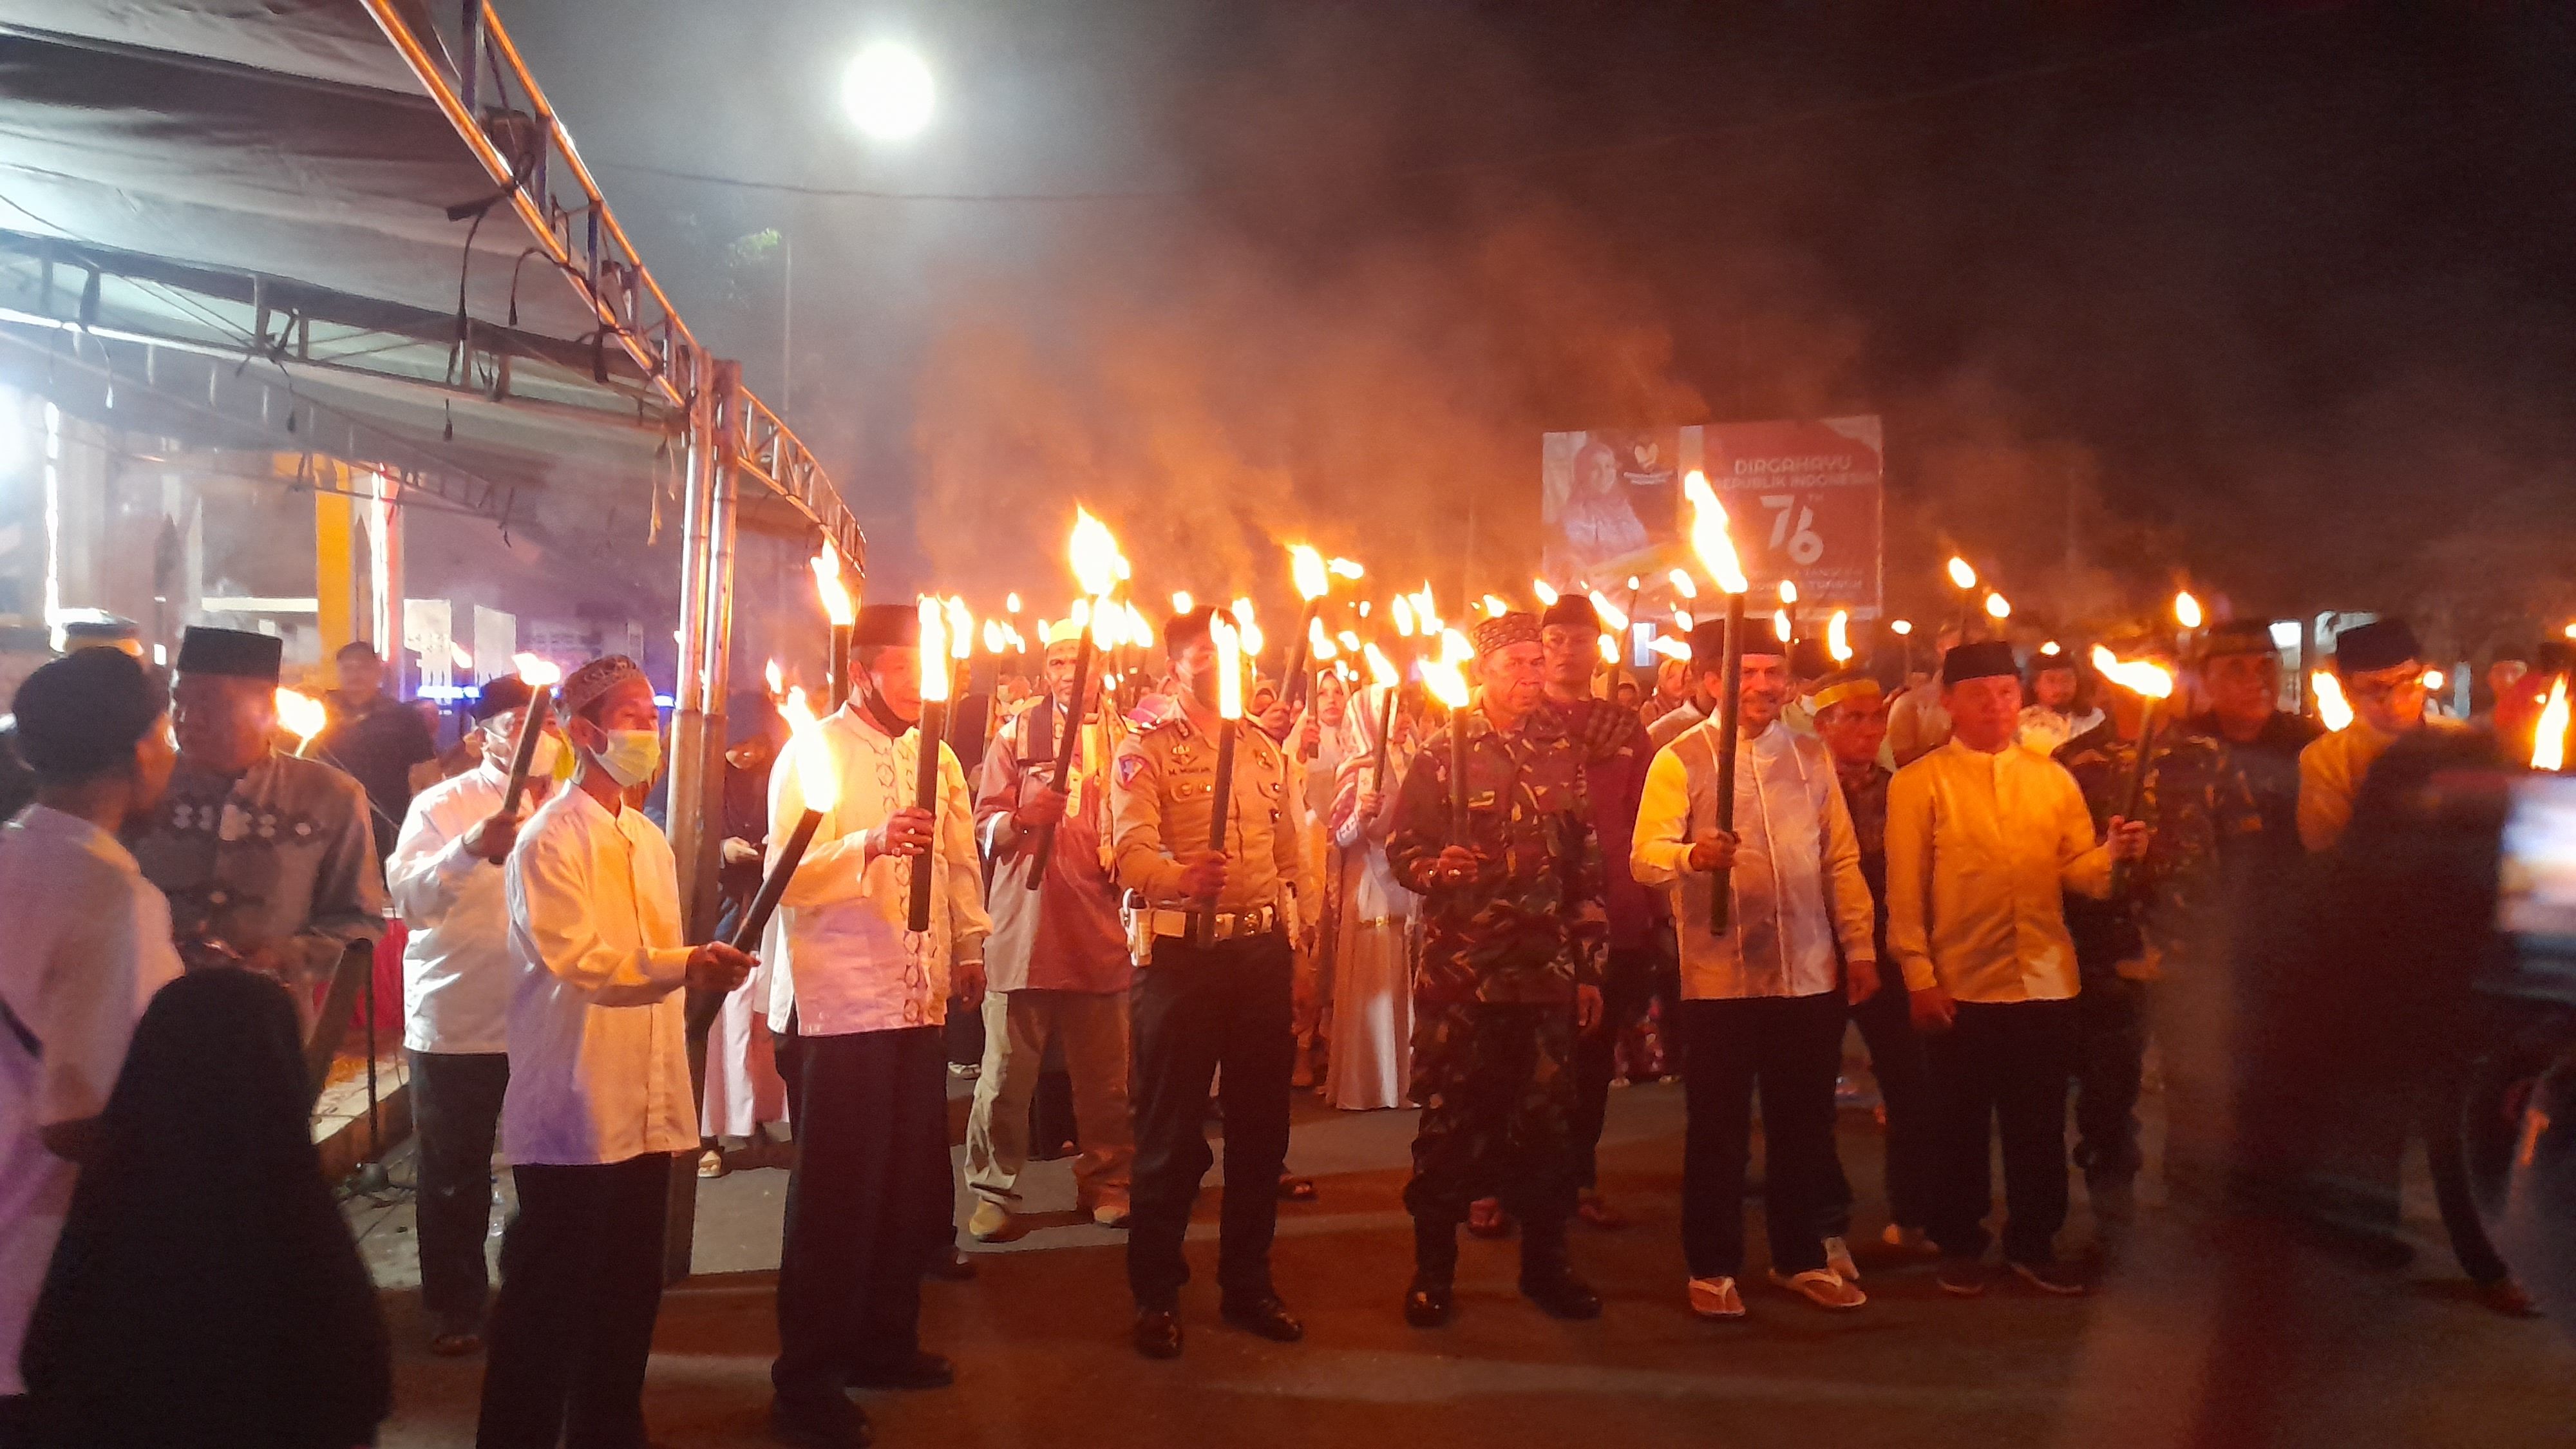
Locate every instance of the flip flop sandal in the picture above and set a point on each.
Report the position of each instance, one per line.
(1822, 1287)
(1296, 1189)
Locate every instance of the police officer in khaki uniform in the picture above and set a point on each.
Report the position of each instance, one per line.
(1199, 1009)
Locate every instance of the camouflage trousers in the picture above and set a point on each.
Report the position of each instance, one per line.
(1496, 1084)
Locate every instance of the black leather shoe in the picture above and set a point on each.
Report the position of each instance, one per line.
(918, 1371)
(1268, 1318)
(818, 1423)
(1562, 1295)
(1429, 1304)
(1158, 1332)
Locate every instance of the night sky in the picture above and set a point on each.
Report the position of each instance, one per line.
(2272, 295)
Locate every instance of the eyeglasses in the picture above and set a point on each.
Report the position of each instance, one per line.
(2375, 690)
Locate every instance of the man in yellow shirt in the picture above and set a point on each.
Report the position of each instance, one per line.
(2382, 669)
(1983, 842)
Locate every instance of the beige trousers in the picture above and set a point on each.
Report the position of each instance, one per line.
(1092, 1029)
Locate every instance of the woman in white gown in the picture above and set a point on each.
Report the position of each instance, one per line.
(1380, 942)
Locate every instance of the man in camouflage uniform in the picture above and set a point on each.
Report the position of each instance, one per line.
(1516, 932)
(2194, 799)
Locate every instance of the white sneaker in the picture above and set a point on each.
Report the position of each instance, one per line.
(1716, 1298)
(1838, 1257)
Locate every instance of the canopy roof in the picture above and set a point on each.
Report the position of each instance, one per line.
(267, 224)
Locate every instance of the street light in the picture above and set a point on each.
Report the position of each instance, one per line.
(888, 92)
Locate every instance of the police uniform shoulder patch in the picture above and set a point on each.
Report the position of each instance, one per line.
(1130, 765)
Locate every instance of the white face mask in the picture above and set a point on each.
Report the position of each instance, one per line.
(497, 753)
(631, 756)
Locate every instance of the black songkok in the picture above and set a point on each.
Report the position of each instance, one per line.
(1572, 611)
(2240, 636)
(2380, 644)
(1505, 630)
(1188, 627)
(83, 713)
(237, 653)
(1708, 645)
(1981, 660)
(887, 626)
(501, 695)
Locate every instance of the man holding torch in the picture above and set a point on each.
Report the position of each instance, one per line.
(1984, 841)
(862, 997)
(445, 879)
(2191, 800)
(1215, 990)
(1765, 999)
(1516, 935)
(1057, 965)
(269, 859)
(599, 1098)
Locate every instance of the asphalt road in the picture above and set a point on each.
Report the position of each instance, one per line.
(2202, 1340)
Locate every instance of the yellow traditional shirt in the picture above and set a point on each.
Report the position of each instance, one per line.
(1981, 849)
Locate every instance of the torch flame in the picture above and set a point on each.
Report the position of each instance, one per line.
(1182, 603)
(1319, 645)
(1229, 668)
(1960, 574)
(1547, 596)
(1684, 584)
(1682, 620)
(827, 581)
(2145, 680)
(1669, 647)
(1350, 642)
(776, 678)
(2332, 708)
(815, 778)
(2549, 746)
(537, 673)
(2186, 610)
(1306, 568)
(1010, 603)
(1094, 554)
(993, 637)
(1342, 568)
(1998, 607)
(934, 651)
(1249, 632)
(1709, 538)
(302, 716)
(1610, 649)
(961, 629)
(1788, 592)
(1497, 605)
(1443, 677)
(1404, 616)
(1838, 636)
(1900, 627)
(1381, 669)
(2050, 649)
(1426, 614)
(1780, 624)
(1610, 613)
(2432, 680)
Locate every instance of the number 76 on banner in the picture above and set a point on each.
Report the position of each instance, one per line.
(1802, 545)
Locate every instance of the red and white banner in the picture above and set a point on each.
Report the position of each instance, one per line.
(1803, 500)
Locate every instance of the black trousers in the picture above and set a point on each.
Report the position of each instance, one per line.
(2003, 1067)
(870, 1201)
(456, 1108)
(581, 1282)
(2109, 1072)
(1227, 1006)
(1789, 1047)
(1905, 1088)
(1627, 988)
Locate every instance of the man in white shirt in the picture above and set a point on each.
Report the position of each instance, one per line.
(599, 1096)
(862, 998)
(2051, 719)
(1983, 840)
(88, 944)
(445, 880)
(1763, 1001)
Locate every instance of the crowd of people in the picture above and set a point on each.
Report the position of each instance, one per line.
(2008, 876)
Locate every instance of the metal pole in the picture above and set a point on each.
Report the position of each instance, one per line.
(697, 733)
